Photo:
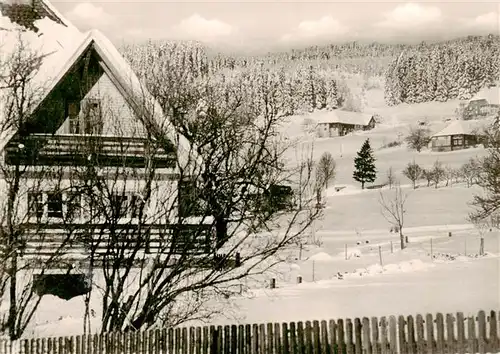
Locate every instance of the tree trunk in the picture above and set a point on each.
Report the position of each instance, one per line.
(362, 185)
(401, 238)
(220, 231)
(13, 297)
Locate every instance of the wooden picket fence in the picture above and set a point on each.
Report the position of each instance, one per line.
(451, 333)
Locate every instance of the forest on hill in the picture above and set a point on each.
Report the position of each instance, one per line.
(317, 77)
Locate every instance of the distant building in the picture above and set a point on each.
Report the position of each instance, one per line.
(486, 103)
(340, 123)
(459, 135)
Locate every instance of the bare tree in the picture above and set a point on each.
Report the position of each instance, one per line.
(486, 172)
(470, 171)
(413, 172)
(325, 170)
(393, 209)
(25, 207)
(325, 173)
(438, 173)
(391, 178)
(428, 176)
(450, 175)
(418, 138)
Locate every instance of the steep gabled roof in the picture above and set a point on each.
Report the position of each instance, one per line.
(62, 47)
(345, 117)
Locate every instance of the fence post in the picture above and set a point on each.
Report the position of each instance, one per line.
(430, 333)
(273, 283)
(332, 329)
(440, 333)
(324, 337)
(384, 339)
(313, 271)
(262, 338)
(401, 335)
(349, 333)
(270, 338)
(358, 343)
(450, 333)
(494, 343)
(277, 338)
(290, 342)
(461, 342)
(481, 247)
(345, 248)
(380, 255)
(412, 343)
(481, 335)
(300, 338)
(375, 336)
(340, 336)
(432, 250)
(392, 247)
(471, 333)
(316, 337)
(366, 343)
(299, 279)
(393, 337)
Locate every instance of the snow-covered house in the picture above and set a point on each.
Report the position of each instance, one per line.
(85, 92)
(485, 103)
(339, 122)
(459, 134)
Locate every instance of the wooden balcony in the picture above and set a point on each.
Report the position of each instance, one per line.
(66, 243)
(79, 150)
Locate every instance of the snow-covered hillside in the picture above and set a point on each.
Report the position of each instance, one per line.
(396, 122)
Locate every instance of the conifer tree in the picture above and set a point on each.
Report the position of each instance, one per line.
(364, 165)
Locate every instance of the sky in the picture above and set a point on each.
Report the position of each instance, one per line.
(276, 25)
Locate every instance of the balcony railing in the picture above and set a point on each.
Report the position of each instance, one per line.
(70, 242)
(79, 150)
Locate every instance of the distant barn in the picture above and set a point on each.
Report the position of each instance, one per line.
(340, 123)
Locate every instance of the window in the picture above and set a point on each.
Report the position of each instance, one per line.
(74, 126)
(118, 205)
(35, 205)
(92, 116)
(190, 203)
(54, 205)
(89, 120)
(73, 205)
(136, 204)
(457, 141)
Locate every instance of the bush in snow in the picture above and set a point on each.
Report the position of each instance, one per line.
(418, 138)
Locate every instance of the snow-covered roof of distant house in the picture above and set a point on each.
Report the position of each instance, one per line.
(345, 117)
(26, 12)
(464, 127)
(492, 95)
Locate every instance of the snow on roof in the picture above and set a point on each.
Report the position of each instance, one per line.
(51, 8)
(464, 127)
(54, 42)
(346, 117)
